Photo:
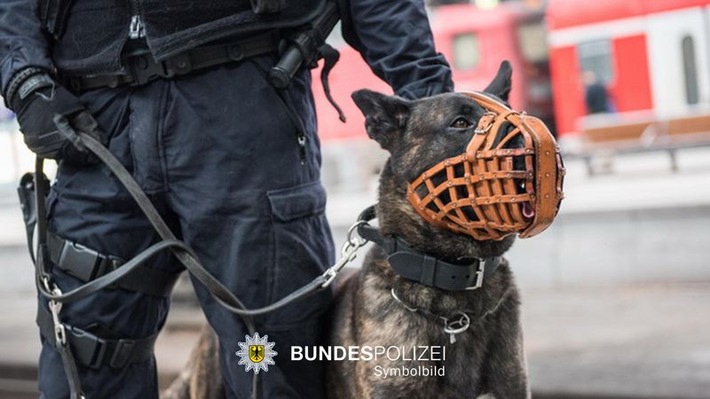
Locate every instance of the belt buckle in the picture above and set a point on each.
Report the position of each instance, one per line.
(89, 349)
(84, 261)
(121, 353)
(143, 68)
(177, 65)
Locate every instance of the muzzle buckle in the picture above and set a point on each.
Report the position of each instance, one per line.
(485, 123)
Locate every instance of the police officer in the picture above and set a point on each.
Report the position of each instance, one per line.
(180, 94)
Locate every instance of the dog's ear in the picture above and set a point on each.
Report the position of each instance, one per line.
(385, 116)
(501, 84)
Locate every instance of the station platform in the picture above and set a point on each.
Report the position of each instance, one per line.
(616, 294)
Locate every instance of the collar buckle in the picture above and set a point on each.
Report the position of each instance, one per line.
(478, 283)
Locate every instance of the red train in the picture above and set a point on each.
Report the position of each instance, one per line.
(474, 41)
(651, 55)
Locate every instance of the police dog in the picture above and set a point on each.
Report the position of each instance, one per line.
(486, 360)
(395, 324)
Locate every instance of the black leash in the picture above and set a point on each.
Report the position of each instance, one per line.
(37, 217)
(186, 256)
(114, 276)
(44, 284)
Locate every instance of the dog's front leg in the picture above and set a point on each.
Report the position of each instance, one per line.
(505, 368)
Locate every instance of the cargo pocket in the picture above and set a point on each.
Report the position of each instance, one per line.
(303, 249)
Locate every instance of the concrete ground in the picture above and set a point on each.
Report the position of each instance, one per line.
(637, 341)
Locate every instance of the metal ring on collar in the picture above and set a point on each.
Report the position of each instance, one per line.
(457, 326)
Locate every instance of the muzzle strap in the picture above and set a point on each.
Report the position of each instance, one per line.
(548, 180)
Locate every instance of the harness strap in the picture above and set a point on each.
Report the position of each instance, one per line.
(424, 268)
(94, 352)
(87, 264)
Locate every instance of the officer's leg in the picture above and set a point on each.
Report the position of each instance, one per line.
(88, 208)
(252, 206)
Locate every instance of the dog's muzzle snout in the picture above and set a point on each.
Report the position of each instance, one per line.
(509, 180)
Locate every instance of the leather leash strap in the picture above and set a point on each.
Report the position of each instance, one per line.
(181, 251)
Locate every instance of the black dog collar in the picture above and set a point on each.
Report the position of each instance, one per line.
(427, 269)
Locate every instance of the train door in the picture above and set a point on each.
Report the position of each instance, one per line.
(678, 54)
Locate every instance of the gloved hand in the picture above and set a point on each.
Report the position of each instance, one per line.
(37, 101)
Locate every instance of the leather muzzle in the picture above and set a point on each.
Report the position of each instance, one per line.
(509, 180)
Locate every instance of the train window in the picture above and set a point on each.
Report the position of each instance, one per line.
(532, 41)
(690, 72)
(596, 56)
(465, 51)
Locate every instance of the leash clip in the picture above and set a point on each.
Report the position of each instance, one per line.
(347, 254)
(55, 307)
(60, 333)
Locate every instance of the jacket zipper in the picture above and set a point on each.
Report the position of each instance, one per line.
(135, 28)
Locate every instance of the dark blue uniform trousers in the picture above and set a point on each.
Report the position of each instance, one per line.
(220, 158)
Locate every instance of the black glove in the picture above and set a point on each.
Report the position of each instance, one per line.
(36, 102)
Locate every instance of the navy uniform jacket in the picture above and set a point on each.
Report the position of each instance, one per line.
(393, 36)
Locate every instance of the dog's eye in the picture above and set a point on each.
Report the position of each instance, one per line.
(461, 123)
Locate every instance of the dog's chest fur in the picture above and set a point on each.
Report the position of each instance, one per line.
(371, 316)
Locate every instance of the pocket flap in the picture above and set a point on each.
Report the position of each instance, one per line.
(297, 202)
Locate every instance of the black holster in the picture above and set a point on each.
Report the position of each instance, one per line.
(27, 193)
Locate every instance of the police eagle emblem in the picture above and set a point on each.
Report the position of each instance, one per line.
(256, 353)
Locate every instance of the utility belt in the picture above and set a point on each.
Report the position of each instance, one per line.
(142, 68)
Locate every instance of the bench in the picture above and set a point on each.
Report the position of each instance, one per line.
(636, 132)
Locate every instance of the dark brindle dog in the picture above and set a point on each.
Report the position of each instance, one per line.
(379, 308)
(459, 183)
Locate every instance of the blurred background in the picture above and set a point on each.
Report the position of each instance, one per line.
(616, 294)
